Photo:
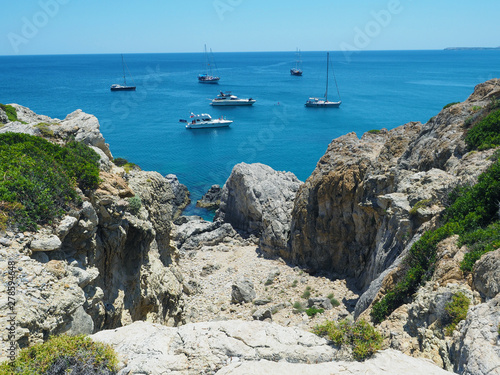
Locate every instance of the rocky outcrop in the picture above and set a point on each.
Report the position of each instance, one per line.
(103, 265)
(486, 274)
(193, 232)
(181, 195)
(258, 200)
(476, 347)
(368, 197)
(235, 347)
(211, 199)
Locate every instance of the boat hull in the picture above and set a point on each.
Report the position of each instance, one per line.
(210, 124)
(295, 72)
(229, 103)
(323, 104)
(123, 88)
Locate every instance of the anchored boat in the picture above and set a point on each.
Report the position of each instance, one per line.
(228, 99)
(204, 120)
(315, 102)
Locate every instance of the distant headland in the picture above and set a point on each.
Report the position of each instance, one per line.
(470, 48)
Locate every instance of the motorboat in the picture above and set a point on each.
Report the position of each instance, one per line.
(204, 120)
(228, 99)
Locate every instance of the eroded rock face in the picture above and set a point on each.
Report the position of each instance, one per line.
(476, 348)
(258, 200)
(368, 197)
(486, 274)
(103, 265)
(181, 195)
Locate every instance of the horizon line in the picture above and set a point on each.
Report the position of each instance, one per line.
(280, 51)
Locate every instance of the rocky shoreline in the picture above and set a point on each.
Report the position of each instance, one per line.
(234, 291)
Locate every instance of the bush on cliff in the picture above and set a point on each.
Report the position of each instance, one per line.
(485, 134)
(360, 336)
(473, 215)
(39, 179)
(64, 355)
(10, 111)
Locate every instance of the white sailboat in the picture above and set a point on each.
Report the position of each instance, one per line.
(208, 77)
(124, 87)
(316, 102)
(297, 71)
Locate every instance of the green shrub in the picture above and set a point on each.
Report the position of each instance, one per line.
(485, 134)
(333, 301)
(450, 104)
(307, 293)
(420, 204)
(456, 310)
(64, 355)
(374, 131)
(44, 129)
(10, 111)
(298, 307)
(135, 204)
(311, 311)
(39, 177)
(361, 336)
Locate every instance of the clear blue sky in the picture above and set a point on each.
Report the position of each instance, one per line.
(130, 26)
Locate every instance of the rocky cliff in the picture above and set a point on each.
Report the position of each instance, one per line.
(103, 265)
(369, 196)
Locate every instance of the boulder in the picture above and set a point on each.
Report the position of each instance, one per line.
(258, 200)
(486, 274)
(46, 243)
(181, 195)
(211, 199)
(242, 291)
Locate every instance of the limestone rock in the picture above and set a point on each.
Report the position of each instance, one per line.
(194, 232)
(146, 348)
(476, 348)
(3, 117)
(46, 243)
(386, 362)
(242, 291)
(486, 274)
(258, 200)
(66, 224)
(368, 197)
(211, 199)
(181, 195)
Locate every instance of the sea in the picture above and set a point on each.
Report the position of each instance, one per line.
(378, 89)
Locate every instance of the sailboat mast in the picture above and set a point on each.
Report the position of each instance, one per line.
(327, 63)
(123, 66)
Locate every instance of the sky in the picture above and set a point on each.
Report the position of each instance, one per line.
(33, 27)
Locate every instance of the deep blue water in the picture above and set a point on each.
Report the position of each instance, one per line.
(379, 89)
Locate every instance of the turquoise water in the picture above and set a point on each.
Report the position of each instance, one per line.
(381, 89)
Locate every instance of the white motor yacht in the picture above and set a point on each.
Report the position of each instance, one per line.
(204, 120)
(230, 100)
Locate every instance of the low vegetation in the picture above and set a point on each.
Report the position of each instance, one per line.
(456, 310)
(10, 111)
(64, 355)
(485, 134)
(360, 336)
(128, 166)
(450, 104)
(39, 178)
(134, 204)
